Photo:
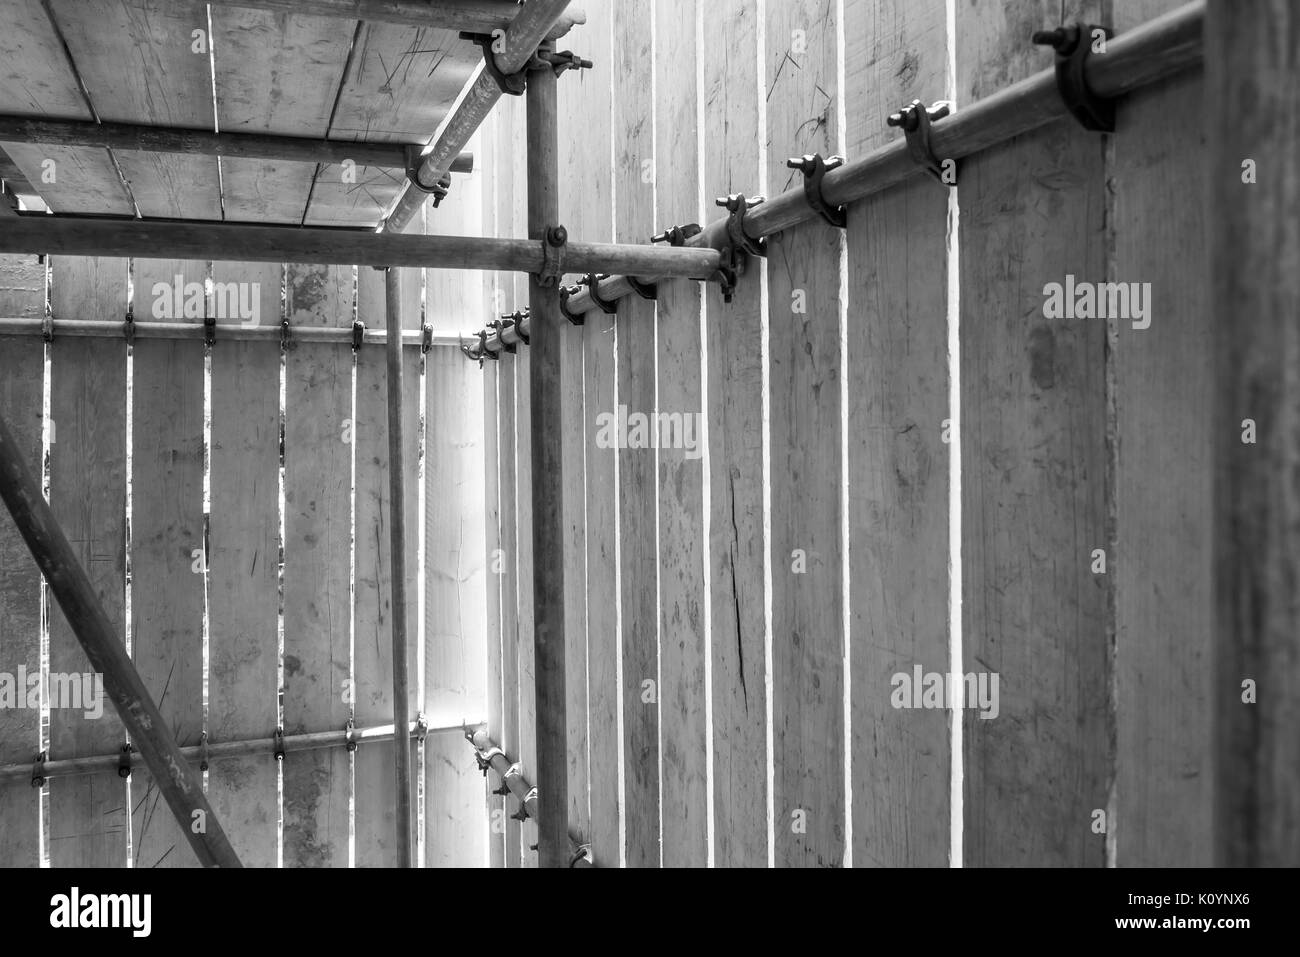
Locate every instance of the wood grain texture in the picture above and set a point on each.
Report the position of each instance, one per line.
(169, 85)
(1034, 470)
(243, 572)
(1250, 72)
(318, 523)
(373, 616)
(807, 564)
(456, 616)
(738, 549)
(524, 551)
(22, 381)
(1164, 568)
(680, 388)
(898, 457)
(35, 80)
(495, 804)
(638, 508)
(586, 207)
(88, 813)
(509, 597)
(275, 72)
(168, 550)
(401, 83)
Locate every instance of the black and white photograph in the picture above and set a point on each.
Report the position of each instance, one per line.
(640, 434)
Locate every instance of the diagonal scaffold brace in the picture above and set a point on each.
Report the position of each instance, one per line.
(179, 783)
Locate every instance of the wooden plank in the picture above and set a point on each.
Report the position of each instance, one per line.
(503, 148)
(1250, 72)
(255, 93)
(738, 550)
(36, 80)
(376, 786)
(169, 85)
(456, 614)
(319, 432)
(493, 558)
(22, 382)
(1164, 576)
(1034, 470)
(638, 500)
(89, 821)
(518, 219)
(243, 572)
(680, 394)
(898, 383)
(509, 597)
(807, 588)
(168, 550)
(400, 85)
(586, 207)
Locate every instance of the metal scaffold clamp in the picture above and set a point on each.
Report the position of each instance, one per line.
(38, 771)
(278, 744)
(575, 318)
(500, 326)
(286, 335)
(421, 728)
(358, 334)
(47, 328)
(553, 247)
(512, 84)
(740, 246)
(559, 62)
(209, 330)
(203, 751)
(814, 168)
(592, 282)
(426, 338)
(514, 321)
(1074, 45)
(350, 735)
(124, 761)
(439, 190)
(916, 119)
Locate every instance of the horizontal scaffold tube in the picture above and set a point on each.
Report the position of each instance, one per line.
(237, 242)
(313, 741)
(489, 753)
(1149, 53)
(166, 139)
(104, 329)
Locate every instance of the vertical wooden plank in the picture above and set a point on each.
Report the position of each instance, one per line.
(1034, 467)
(88, 813)
(1251, 75)
(22, 381)
(376, 786)
(898, 454)
(738, 550)
(680, 459)
(807, 594)
(509, 595)
(503, 149)
(1164, 573)
(586, 207)
(319, 432)
(494, 560)
(456, 626)
(639, 562)
(243, 569)
(518, 214)
(168, 551)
